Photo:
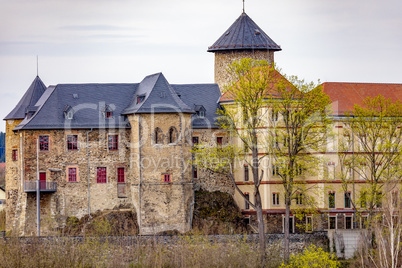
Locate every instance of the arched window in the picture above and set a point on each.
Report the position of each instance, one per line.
(172, 135)
(158, 136)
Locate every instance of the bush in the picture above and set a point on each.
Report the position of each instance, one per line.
(312, 257)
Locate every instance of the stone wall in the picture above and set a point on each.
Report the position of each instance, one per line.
(224, 58)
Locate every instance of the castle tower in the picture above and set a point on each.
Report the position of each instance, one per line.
(244, 39)
(15, 196)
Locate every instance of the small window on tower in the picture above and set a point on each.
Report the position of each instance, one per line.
(167, 177)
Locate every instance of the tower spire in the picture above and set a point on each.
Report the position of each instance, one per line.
(243, 7)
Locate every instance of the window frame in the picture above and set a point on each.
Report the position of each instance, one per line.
(329, 222)
(121, 175)
(309, 227)
(108, 114)
(351, 222)
(195, 140)
(101, 175)
(72, 176)
(219, 140)
(195, 172)
(167, 178)
(113, 142)
(14, 154)
(43, 143)
(347, 199)
(333, 194)
(72, 142)
(246, 204)
(275, 199)
(246, 173)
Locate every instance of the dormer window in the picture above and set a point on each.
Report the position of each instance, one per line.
(108, 112)
(108, 115)
(140, 98)
(68, 112)
(200, 110)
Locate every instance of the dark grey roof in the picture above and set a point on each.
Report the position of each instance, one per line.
(244, 34)
(88, 102)
(28, 101)
(197, 95)
(159, 97)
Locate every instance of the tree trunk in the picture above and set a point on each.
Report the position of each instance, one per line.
(286, 253)
(261, 231)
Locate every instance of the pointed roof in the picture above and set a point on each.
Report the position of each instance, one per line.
(244, 34)
(28, 101)
(156, 95)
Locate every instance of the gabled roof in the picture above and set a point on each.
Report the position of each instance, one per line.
(244, 34)
(345, 95)
(158, 97)
(205, 95)
(88, 103)
(28, 101)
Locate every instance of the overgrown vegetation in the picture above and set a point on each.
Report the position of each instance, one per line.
(312, 257)
(217, 213)
(194, 251)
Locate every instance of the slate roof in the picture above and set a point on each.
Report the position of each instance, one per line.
(90, 101)
(28, 101)
(244, 34)
(196, 95)
(159, 97)
(345, 95)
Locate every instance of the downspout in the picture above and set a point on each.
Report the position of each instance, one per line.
(37, 189)
(192, 176)
(139, 173)
(89, 192)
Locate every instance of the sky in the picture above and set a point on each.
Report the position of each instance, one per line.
(122, 41)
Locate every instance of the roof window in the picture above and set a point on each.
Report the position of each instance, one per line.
(140, 98)
(68, 112)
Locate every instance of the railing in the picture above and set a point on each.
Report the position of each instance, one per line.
(44, 186)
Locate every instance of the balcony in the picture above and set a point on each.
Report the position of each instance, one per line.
(44, 186)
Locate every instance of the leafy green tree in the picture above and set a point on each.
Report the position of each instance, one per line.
(299, 128)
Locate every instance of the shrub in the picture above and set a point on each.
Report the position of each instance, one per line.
(312, 257)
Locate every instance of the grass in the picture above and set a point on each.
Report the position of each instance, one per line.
(194, 251)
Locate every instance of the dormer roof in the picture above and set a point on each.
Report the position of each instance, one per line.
(244, 34)
(28, 101)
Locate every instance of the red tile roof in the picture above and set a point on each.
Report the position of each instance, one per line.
(345, 95)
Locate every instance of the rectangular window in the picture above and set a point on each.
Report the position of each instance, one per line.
(14, 155)
(274, 115)
(246, 204)
(167, 178)
(378, 200)
(121, 176)
(72, 142)
(309, 223)
(395, 199)
(348, 222)
(72, 174)
(275, 199)
(331, 200)
(364, 222)
(299, 198)
(44, 143)
(113, 142)
(275, 170)
(101, 175)
(108, 115)
(347, 200)
(195, 172)
(246, 173)
(219, 141)
(195, 140)
(363, 199)
(332, 222)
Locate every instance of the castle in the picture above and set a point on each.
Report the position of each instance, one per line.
(95, 147)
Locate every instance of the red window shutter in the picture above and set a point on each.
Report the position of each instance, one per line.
(101, 175)
(121, 175)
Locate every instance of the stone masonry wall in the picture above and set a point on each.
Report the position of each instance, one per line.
(72, 198)
(224, 58)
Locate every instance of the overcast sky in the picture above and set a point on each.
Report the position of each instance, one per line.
(81, 41)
